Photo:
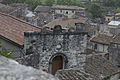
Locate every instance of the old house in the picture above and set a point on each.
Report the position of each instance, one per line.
(114, 50)
(54, 50)
(100, 68)
(6, 9)
(114, 27)
(43, 19)
(42, 9)
(68, 11)
(117, 16)
(96, 68)
(44, 15)
(12, 32)
(109, 17)
(65, 23)
(21, 9)
(79, 15)
(101, 42)
(29, 17)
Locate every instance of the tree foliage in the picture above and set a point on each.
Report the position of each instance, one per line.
(49, 2)
(70, 2)
(117, 10)
(33, 3)
(95, 10)
(111, 3)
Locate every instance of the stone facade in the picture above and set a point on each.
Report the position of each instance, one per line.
(114, 53)
(49, 44)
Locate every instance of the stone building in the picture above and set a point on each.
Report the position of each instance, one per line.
(56, 49)
(68, 11)
(12, 33)
(114, 50)
(100, 42)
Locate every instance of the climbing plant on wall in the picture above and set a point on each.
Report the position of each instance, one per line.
(5, 53)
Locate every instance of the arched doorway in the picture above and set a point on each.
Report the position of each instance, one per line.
(57, 62)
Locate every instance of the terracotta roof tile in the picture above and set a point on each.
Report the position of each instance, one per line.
(97, 65)
(73, 74)
(65, 23)
(13, 28)
(102, 38)
(116, 39)
(6, 9)
(67, 7)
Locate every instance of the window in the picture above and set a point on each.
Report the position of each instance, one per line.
(95, 47)
(94, 32)
(66, 12)
(61, 11)
(72, 11)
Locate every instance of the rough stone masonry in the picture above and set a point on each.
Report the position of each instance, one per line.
(12, 70)
(47, 44)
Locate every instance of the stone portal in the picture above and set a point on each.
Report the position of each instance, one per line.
(57, 63)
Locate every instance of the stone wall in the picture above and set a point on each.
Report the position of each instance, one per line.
(114, 53)
(48, 44)
(11, 70)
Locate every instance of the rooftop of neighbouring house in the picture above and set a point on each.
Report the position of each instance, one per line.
(97, 65)
(102, 38)
(114, 23)
(19, 5)
(117, 14)
(65, 23)
(73, 74)
(116, 39)
(67, 7)
(13, 28)
(6, 8)
(42, 9)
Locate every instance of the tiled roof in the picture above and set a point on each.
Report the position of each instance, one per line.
(72, 74)
(6, 9)
(65, 23)
(42, 9)
(102, 38)
(13, 28)
(90, 29)
(1, 0)
(19, 5)
(67, 7)
(116, 39)
(97, 66)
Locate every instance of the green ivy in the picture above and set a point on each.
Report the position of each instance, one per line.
(7, 54)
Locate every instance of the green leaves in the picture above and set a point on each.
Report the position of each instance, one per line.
(49, 2)
(35, 3)
(95, 10)
(111, 3)
(5, 53)
(70, 2)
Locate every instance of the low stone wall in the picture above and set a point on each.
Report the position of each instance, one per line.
(11, 70)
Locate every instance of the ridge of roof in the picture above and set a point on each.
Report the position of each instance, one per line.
(102, 38)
